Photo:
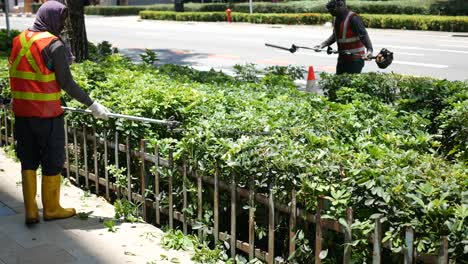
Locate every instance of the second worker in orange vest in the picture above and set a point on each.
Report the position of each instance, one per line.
(354, 44)
(39, 70)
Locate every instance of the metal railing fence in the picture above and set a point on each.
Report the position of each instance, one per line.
(77, 140)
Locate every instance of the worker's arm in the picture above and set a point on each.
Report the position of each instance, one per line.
(357, 25)
(56, 60)
(329, 41)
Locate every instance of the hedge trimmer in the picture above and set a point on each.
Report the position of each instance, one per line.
(383, 59)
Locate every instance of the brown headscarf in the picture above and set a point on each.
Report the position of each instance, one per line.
(49, 18)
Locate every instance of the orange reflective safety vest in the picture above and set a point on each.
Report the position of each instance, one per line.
(349, 41)
(34, 90)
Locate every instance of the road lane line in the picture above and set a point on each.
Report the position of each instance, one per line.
(324, 55)
(409, 54)
(454, 46)
(428, 49)
(429, 65)
(459, 41)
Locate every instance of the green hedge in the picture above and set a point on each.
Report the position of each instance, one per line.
(6, 41)
(436, 23)
(378, 7)
(185, 16)
(134, 10)
(114, 10)
(357, 152)
(420, 7)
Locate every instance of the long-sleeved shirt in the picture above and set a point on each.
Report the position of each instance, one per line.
(55, 58)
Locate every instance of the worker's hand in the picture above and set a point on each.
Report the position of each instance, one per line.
(368, 55)
(318, 47)
(99, 111)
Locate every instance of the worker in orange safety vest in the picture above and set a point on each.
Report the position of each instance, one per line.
(354, 44)
(39, 70)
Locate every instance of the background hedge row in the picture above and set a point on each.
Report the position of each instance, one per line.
(420, 7)
(413, 22)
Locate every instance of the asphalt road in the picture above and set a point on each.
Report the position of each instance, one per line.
(222, 45)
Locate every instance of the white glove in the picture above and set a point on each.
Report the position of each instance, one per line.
(99, 111)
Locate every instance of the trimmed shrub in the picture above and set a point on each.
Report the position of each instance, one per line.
(185, 16)
(114, 10)
(134, 10)
(437, 23)
(6, 41)
(417, 7)
(449, 7)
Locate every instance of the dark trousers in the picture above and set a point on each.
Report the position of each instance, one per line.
(40, 141)
(349, 66)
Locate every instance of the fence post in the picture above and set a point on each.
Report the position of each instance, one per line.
(271, 226)
(156, 184)
(75, 144)
(292, 222)
(171, 201)
(216, 204)
(142, 176)
(233, 215)
(251, 217)
(348, 236)
(376, 255)
(12, 125)
(106, 163)
(318, 230)
(1, 126)
(85, 157)
(67, 151)
(199, 201)
(96, 173)
(409, 247)
(129, 176)
(6, 129)
(443, 251)
(184, 190)
(116, 152)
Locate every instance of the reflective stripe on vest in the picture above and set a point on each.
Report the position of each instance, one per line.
(36, 96)
(348, 41)
(346, 25)
(358, 50)
(25, 51)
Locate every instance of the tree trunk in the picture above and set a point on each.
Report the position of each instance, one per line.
(75, 30)
(27, 6)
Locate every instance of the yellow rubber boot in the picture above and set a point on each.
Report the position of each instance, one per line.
(51, 199)
(29, 182)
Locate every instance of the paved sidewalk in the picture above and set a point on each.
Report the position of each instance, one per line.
(72, 240)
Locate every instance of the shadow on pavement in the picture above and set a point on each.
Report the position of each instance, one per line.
(69, 240)
(167, 56)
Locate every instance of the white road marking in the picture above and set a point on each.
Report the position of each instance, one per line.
(333, 56)
(421, 48)
(454, 46)
(429, 65)
(459, 41)
(409, 54)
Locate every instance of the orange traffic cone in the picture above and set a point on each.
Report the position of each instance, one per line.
(310, 79)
